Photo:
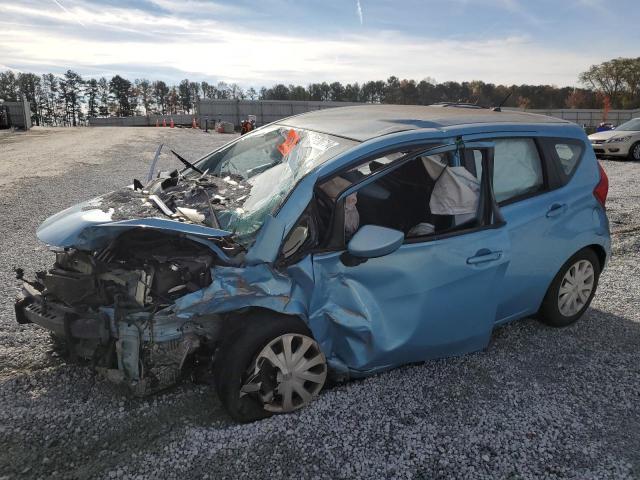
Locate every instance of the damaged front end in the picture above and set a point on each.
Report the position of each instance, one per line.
(145, 277)
(122, 261)
(113, 307)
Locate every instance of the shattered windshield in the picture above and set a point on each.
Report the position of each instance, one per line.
(261, 169)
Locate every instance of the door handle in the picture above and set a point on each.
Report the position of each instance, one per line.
(556, 209)
(484, 256)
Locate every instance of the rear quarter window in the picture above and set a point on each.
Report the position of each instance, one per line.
(568, 156)
(563, 157)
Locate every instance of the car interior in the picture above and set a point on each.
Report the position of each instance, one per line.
(427, 195)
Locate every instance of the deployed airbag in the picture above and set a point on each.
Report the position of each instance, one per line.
(456, 190)
(517, 168)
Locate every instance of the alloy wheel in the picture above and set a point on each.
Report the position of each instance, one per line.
(575, 288)
(636, 152)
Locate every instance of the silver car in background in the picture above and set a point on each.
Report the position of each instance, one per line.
(621, 142)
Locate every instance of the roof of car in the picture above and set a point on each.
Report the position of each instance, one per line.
(363, 122)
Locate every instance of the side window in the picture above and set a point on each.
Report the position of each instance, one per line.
(473, 162)
(563, 156)
(371, 166)
(327, 193)
(568, 156)
(517, 169)
(427, 195)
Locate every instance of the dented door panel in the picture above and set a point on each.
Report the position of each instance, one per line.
(423, 301)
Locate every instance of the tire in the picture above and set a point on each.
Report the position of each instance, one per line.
(563, 304)
(236, 361)
(634, 152)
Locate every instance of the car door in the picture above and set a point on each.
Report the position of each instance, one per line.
(434, 296)
(534, 215)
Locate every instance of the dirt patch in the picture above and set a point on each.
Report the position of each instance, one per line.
(48, 151)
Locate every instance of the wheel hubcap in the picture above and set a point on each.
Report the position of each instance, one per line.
(287, 374)
(636, 152)
(575, 288)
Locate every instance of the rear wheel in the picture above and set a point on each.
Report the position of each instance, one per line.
(572, 290)
(634, 152)
(272, 365)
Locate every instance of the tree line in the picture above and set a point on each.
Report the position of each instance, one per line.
(69, 99)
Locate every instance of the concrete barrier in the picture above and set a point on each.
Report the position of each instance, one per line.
(589, 118)
(266, 111)
(141, 121)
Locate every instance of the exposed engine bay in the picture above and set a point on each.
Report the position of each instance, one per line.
(194, 199)
(113, 307)
(139, 271)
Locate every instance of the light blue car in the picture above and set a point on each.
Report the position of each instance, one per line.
(332, 244)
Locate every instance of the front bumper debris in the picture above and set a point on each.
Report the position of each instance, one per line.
(31, 308)
(134, 352)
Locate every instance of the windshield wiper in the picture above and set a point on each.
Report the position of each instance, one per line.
(214, 220)
(187, 163)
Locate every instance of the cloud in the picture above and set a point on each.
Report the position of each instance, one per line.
(129, 40)
(359, 11)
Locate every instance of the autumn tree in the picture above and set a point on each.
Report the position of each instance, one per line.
(607, 77)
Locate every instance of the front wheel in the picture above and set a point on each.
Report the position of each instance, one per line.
(271, 365)
(572, 290)
(634, 152)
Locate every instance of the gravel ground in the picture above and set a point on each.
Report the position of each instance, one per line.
(537, 403)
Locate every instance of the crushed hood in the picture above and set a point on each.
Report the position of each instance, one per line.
(89, 228)
(188, 207)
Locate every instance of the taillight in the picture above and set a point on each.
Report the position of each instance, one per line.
(602, 188)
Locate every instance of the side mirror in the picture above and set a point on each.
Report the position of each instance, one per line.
(372, 241)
